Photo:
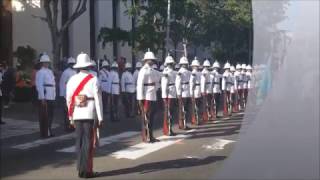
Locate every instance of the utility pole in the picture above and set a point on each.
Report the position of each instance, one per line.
(168, 27)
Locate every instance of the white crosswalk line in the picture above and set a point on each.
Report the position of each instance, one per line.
(14, 128)
(218, 144)
(105, 140)
(43, 142)
(142, 149)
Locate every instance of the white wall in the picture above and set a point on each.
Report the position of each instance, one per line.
(79, 32)
(27, 30)
(103, 19)
(125, 23)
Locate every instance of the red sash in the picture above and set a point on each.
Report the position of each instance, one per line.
(76, 93)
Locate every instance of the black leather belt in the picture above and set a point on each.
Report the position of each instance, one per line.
(149, 84)
(230, 83)
(198, 84)
(216, 83)
(185, 83)
(49, 85)
(171, 84)
(115, 83)
(104, 81)
(208, 83)
(90, 98)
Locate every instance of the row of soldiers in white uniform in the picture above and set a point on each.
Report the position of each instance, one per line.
(203, 88)
(85, 93)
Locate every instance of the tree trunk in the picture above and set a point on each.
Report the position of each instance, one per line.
(56, 51)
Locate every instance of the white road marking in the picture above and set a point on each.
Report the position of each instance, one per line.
(14, 128)
(43, 142)
(192, 157)
(105, 140)
(142, 149)
(219, 144)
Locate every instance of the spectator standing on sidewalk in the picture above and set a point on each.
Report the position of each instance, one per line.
(8, 82)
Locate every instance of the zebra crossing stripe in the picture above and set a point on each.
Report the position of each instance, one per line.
(142, 149)
(105, 140)
(40, 142)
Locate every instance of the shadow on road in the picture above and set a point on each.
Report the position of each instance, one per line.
(163, 165)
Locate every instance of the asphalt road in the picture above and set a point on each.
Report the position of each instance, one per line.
(194, 154)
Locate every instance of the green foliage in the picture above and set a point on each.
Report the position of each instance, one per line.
(26, 56)
(225, 27)
(107, 35)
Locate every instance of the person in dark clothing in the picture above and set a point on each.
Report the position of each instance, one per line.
(8, 83)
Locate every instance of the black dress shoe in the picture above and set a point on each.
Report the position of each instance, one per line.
(81, 174)
(91, 175)
(153, 140)
(172, 134)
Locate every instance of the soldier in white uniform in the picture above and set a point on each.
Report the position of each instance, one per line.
(114, 89)
(239, 86)
(249, 81)
(135, 78)
(66, 75)
(234, 90)
(206, 91)
(161, 68)
(127, 90)
(195, 91)
(227, 88)
(158, 85)
(84, 107)
(183, 91)
(169, 96)
(176, 67)
(103, 78)
(147, 96)
(244, 86)
(216, 79)
(46, 87)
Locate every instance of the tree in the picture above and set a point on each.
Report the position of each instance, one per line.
(56, 33)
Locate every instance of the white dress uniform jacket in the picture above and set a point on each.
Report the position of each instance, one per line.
(113, 83)
(45, 84)
(195, 90)
(244, 80)
(146, 83)
(127, 84)
(93, 110)
(168, 87)
(216, 78)
(228, 82)
(158, 84)
(182, 83)
(206, 82)
(103, 78)
(135, 78)
(66, 75)
(249, 80)
(239, 79)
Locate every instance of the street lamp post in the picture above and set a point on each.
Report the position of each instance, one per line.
(168, 27)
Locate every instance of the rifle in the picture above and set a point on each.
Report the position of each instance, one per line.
(168, 123)
(145, 123)
(196, 110)
(183, 114)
